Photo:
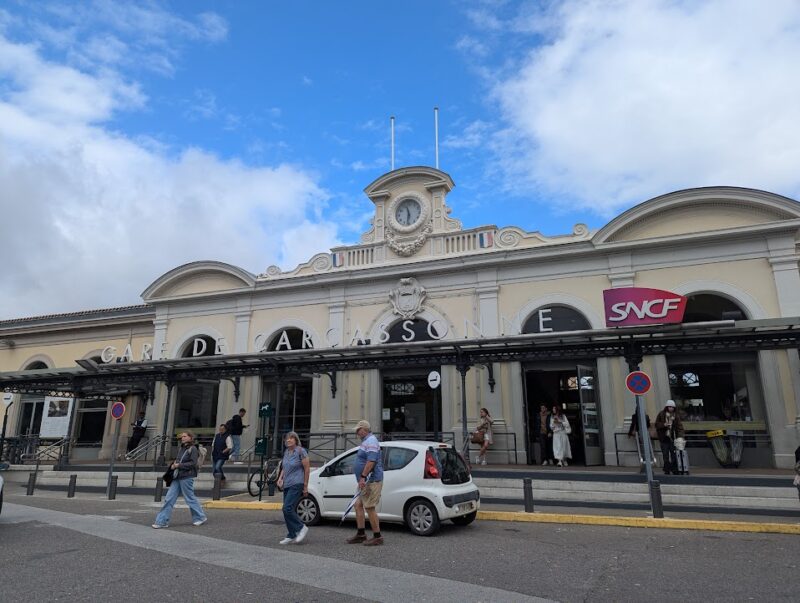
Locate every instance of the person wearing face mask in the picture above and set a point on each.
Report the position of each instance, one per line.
(669, 427)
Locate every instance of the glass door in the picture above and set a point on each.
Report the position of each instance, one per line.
(590, 416)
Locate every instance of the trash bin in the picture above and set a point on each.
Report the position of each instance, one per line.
(727, 449)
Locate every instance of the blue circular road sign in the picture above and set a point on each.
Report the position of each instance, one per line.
(638, 382)
(117, 410)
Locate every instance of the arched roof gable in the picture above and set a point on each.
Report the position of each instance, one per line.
(432, 175)
(698, 210)
(198, 278)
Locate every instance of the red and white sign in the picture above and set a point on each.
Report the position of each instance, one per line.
(633, 306)
(117, 410)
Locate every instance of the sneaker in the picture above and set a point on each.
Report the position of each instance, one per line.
(238, 462)
(158, 526)
(566, 464)
(374, 541)
(301, 535)
(357, 539)
(559, 464)
(483, 462)
(200, 522)
(287, 540)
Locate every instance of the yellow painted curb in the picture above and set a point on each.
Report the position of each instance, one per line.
(564, 518)
(643, 522)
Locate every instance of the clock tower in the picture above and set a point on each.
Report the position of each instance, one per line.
(409, 208)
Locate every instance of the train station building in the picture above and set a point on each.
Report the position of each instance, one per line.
(511, 320)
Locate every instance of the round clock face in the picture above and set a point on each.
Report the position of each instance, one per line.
(407, 212)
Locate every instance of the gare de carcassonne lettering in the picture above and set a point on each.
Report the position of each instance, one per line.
(625, 306)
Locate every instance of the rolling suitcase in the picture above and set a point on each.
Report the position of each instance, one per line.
(682, 460)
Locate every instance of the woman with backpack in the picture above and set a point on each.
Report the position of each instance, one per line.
(293, 478)
(184, 470)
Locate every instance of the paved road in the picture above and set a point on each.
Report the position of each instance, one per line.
(84, 549)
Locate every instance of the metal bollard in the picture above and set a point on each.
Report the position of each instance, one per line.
(655, 499)
(71, 488)
(31, 483)
(527, 490)
(215, 493)
(112, 490)
(159, 489)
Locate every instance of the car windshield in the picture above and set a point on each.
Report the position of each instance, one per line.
(454, 469)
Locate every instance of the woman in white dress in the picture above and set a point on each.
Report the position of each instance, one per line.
(559, 425)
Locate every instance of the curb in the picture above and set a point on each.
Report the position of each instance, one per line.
(564, 518)
(643, 522)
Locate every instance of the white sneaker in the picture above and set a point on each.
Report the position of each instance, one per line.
(158, 526)
(483, 462)
(287, 540)
(560, 464)
(566, 464)
(301, 535)
(199, 522)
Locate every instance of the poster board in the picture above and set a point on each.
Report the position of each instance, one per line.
(55, 418)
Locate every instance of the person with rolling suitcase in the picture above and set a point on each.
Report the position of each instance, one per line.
(669, 427)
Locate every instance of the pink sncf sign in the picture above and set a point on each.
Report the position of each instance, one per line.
(633, 306)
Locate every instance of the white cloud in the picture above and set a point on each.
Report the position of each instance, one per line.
(91, 217)
(627, 100)
(474, 135)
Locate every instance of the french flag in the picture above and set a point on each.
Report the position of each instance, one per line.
(338, 259)
(486, 239)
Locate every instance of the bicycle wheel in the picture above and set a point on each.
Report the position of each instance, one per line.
(254, 483)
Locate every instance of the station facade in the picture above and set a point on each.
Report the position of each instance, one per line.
(416, 277)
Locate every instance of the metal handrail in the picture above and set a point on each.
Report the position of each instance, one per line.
(51, 452)
(509, 448)
(142, 449)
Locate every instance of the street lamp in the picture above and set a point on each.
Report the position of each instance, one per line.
(8, 400)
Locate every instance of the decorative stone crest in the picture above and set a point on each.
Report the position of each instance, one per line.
(407, 298)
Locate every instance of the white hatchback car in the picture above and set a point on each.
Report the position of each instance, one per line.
(424, 483)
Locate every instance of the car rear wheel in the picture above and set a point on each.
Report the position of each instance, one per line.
(465, 520)
(422, 518)
(308, 511)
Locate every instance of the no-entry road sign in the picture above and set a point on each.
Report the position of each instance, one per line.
(638, 382)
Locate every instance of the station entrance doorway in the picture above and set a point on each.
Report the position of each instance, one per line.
(410, 405)
(573, 389)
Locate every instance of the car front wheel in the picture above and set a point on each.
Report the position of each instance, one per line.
(308, 510)
(422, 518)
(465, 520)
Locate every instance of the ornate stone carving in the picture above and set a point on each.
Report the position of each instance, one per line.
(407, 248)
(270, 272)
(322, 262)
(407, 298)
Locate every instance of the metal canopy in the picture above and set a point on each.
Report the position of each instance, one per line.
(108, 380)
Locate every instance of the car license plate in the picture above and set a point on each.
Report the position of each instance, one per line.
(465, 507)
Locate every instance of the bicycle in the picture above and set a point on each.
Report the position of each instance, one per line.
(263, 476)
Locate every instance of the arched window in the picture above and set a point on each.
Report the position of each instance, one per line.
(196, 406)
(290, 339)
(708, 306)
(36, 365)
(555, 318)
(195, 349)
(399, 331)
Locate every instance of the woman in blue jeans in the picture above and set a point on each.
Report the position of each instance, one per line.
(295, 468)
(185, 468)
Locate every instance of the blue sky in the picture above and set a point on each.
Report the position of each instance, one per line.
(137, 136)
